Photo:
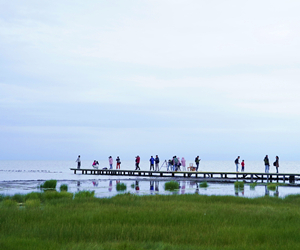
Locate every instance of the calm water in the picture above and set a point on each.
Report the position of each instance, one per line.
(24, 177)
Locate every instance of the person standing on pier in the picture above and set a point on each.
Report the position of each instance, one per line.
(183, 164)
(78, 162)
(243, 165)
(197, 161)
(170, 164)
(156, 163)
(276, 164)
(137, 163)
(267, 164)
(110, 161)
(151, 163)
(179, 164)
(118, 162)
(175, 163)
(237, 163)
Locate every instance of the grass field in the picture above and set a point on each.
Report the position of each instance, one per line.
(149, 222)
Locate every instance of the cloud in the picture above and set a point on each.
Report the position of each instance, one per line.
(165, 74)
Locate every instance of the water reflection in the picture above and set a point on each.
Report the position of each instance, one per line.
(183, 187)
(197, 188)
(275, 192)
(266, 191)
(107, 188)
(239, 191)
(110, 186)
(137, 187)
(151, 187)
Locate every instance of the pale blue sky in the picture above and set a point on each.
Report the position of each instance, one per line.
(97, 78)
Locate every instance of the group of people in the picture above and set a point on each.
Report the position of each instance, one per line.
(175, 163)
(267, 164)
(110, 161)
(266, 161)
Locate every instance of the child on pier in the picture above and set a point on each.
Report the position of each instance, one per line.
(243, 165)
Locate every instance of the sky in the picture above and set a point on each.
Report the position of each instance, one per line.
(215, 78)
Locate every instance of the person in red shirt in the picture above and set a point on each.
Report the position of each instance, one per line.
(243, 165)
(137, 163)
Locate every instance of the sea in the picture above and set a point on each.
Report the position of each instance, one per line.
(22, 177)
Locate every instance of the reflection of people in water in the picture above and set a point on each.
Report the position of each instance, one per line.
(237, 191)
(137, 187)
(110, 186)
(192, 183)
(95, 183)
(197, 189)
(183, 187)
(266, 191)
(276, 191)
(151, 186)
(157, 186)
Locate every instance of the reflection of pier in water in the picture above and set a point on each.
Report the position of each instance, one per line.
(208, 176)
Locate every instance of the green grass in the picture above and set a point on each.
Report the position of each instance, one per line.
(85, 194)
(272, 186)
(171, 185)
(63, 187)
(150, 222)
(253, 185)
(121, 186)
(203, 184)
(50, 184)
(239, 184)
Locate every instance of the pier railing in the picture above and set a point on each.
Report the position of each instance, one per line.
(247, 176)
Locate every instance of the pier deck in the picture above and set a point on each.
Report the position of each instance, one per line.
(247, 176)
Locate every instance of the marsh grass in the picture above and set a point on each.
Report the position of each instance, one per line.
(9, 203)
(84, 194)
(33, 196)
(63, 187)
(239, 185)
(272, 186)
(121, 187)
(50, 184)
(203, 184)
(33, 203)
(50, 195)
(18, 198)
(151, 222)
(253, 185)
(171, 185)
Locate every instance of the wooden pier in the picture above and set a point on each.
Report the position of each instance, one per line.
(209, 176)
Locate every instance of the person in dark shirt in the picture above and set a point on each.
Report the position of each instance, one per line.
(267, 164)
(156, 163)
(277, 164)
(197, 161)
(237, 163)
(151, 163)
